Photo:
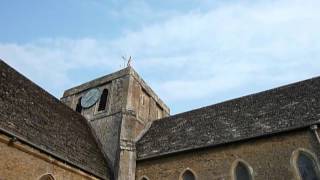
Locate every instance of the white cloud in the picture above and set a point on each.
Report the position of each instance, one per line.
(193, 56)
(48, 62)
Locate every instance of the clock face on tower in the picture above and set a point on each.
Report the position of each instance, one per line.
(90, 98)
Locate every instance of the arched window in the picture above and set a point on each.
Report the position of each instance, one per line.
(79, 107)
(188, 175)
(241, 171)
(46, 177)
(103, 100)
(144, 178)
(307, 166)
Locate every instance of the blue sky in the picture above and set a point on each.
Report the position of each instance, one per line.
(192, 53)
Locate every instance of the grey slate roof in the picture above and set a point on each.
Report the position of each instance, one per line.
(38, 118)
(281, 109)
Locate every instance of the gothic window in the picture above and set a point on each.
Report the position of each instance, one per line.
(242, 171)
(307, 166)
(103, 100)
(79, 107)
(46, 177)
(144, 178)
(188, 175)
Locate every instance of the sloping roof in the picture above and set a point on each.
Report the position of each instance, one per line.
(281, 109)
(35, 116)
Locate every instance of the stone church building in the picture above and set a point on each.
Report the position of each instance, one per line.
(116, 128)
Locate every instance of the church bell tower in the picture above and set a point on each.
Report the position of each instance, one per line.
(118, 107)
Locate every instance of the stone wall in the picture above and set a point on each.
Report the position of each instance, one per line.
(144, 101)
(22, 162)
(106, 123)
(269, 158)
(131, 105)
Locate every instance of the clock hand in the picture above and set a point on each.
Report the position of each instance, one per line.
(90, 98)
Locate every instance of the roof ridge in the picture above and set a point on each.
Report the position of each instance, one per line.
(238, 98)
(280, 109)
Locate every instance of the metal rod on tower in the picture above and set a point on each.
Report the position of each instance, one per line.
(129, 62)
